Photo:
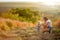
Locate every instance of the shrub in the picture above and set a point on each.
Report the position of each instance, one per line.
(9, 23)
(57, 24)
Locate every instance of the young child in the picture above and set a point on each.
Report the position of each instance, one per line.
(38, 25)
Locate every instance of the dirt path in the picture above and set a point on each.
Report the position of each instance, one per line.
(23, 35)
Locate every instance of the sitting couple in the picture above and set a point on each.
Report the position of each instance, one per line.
(47, 25)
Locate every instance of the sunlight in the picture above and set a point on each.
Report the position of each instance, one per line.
(50, 2)
(45, 2)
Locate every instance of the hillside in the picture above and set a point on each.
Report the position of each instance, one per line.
(18, 21)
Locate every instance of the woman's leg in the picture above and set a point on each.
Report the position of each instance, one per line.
(50, 29)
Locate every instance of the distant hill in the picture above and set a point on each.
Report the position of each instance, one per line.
(39, 6)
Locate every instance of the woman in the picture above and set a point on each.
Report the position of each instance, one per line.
(47, 25)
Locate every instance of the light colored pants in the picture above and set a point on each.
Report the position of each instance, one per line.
(38, 28)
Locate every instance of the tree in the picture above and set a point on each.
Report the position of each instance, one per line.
(22, 14)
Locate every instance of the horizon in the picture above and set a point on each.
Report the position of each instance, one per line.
(7, 5)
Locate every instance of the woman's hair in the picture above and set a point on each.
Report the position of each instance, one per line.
(45, 18)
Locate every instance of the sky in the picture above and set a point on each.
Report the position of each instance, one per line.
(29, 0)
(45, 2)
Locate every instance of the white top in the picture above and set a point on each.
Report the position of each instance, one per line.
(49, 23)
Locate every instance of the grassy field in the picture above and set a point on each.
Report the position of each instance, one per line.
(28, 33)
